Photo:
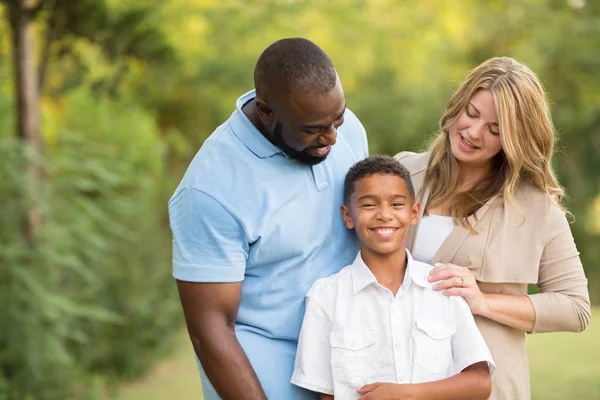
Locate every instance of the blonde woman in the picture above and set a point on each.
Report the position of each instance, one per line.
(492, 220)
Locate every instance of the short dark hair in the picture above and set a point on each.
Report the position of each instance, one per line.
(376, 165)
(293, 64)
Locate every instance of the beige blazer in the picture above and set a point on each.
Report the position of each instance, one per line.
(506, 254)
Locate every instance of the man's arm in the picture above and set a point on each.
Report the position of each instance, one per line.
(210, 312)
(473, 383)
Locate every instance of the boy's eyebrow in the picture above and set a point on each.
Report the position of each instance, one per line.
(372, 196)
(325, 126)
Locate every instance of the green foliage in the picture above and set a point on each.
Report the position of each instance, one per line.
(133, 88)
(78, 304)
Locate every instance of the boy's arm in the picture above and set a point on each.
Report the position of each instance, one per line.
(473, 383)
(325, 397)
(470, 355)
(312, 368)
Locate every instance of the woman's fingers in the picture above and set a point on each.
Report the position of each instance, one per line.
(446, 271)
(456, 291)
(450, 283)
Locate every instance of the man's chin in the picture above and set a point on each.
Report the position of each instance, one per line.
(307, 158)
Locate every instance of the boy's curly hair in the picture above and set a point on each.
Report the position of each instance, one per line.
(376, 165)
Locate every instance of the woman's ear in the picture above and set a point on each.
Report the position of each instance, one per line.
(347, 218)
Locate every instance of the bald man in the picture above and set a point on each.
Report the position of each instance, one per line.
(256, 222)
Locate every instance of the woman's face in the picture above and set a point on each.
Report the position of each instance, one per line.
(475, 136)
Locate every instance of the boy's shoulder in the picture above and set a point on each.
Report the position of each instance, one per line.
(327, 287)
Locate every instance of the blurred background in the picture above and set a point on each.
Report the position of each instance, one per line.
(103, 103)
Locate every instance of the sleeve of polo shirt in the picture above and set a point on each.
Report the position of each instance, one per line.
(209, 244)
(468, 346)
(312, 369)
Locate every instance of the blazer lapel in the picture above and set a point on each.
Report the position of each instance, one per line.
(448, 249)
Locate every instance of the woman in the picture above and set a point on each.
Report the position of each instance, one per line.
(491, 219)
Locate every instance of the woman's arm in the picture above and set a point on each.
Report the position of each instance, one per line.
(515, 311)
(563, 302)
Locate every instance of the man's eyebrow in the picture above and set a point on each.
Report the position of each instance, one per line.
(477, 111)
(325, 126)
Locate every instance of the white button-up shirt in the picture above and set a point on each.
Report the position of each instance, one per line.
(356, 332)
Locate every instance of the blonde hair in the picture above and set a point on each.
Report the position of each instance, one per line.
(526, 134)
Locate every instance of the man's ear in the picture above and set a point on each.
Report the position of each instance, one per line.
(414, 213)
(346, 216)
(264, 111)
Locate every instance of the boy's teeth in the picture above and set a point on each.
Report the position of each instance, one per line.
(384, 231)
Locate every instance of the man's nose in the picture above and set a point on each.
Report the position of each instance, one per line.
(329, 138)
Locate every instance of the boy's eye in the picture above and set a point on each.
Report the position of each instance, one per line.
(368, 205)
(397, 204)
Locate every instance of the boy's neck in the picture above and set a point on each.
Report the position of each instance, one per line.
(388, 269)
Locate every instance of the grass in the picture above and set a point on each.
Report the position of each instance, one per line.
(563, 366)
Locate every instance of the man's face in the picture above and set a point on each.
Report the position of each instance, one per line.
(380, 211)
(305, 124)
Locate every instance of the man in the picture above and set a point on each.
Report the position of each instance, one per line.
(255, 222)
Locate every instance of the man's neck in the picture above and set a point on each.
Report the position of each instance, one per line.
(388, 269)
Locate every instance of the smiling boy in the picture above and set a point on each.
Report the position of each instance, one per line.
(376, 329)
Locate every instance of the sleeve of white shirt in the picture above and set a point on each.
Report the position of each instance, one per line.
(312, 369)
(468, 346)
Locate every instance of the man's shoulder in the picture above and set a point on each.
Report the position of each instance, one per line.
(220, 162)
(354, 135)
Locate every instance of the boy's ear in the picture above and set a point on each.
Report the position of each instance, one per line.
(414, 213)
(346, 216)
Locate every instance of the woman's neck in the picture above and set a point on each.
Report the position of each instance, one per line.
(471, 175)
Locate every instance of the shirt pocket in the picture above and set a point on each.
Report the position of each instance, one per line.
(354, 355)
(433, 344)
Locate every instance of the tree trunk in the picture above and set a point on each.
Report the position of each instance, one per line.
(28, 104)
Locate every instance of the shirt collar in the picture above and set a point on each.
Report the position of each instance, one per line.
(247, 133)
(362, 276)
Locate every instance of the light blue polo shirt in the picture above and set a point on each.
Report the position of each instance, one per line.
(244, 211)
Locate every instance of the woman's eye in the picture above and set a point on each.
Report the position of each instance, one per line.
(469, 114)
(495, 133)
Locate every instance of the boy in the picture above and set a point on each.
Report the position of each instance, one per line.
(376, 329)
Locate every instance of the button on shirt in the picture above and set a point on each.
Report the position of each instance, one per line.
(356, 332)
(245, 211)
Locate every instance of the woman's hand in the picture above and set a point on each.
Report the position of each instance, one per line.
(454, 280)
(387, 391)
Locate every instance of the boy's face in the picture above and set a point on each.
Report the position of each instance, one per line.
(380, 211)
